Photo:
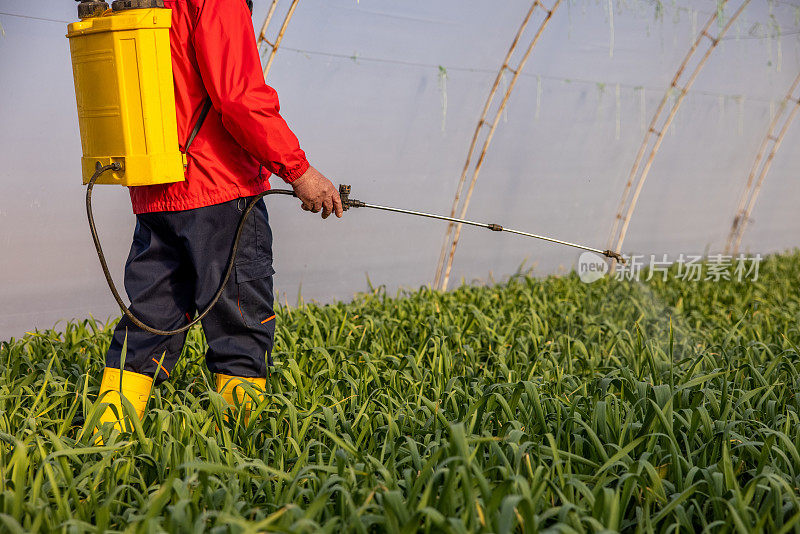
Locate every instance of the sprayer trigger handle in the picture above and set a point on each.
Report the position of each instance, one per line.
(344, 195)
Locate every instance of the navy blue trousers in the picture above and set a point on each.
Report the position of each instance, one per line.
(175, 266)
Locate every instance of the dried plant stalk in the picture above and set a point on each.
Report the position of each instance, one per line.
(263, 33)
(638, 174)
(753, 186)
(262, 36)
(454, 230)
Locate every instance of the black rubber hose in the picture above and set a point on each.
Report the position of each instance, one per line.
(234, 248)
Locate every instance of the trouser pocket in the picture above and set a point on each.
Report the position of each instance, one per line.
(255, 294)
(256, 241)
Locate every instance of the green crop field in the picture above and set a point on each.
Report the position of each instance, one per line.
(537, 404)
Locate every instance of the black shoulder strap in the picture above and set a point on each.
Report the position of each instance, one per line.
(198, 124)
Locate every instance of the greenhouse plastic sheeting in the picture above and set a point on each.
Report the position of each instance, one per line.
(385, 96)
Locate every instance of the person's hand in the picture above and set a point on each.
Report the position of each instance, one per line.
(317, 193)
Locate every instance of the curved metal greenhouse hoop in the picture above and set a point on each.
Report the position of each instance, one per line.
(753, 187)
(630, 195)
(454, 230)
(262, 36)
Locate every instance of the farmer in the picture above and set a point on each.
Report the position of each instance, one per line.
(184, 231)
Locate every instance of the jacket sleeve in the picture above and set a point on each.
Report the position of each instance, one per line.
(227, 56)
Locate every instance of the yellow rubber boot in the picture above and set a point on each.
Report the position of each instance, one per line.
(135, 388)
(228, 386)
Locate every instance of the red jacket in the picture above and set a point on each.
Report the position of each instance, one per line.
(214, 54)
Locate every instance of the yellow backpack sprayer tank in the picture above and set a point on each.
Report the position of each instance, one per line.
(122, 66)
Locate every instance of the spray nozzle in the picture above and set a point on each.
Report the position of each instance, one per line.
(614, 255)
